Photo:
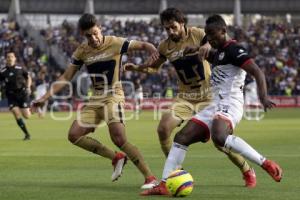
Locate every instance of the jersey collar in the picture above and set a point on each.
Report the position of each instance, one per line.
(229, 42)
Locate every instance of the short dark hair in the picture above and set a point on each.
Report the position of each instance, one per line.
(87, 21)
(216, 20)
(172, 14)
(10, 51)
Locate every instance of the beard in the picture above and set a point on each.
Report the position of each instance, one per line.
(175, 38)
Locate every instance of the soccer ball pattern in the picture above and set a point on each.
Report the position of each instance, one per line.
(180, 183)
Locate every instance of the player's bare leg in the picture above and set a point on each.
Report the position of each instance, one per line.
(78, 136)
(166, 125)
(26, 113)
(137, 107)
(249, 175)
(118, 137)
(221, 135)
(189, 134)
(18, 116)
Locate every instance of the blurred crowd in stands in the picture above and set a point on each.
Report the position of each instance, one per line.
(36, 62)
(274, 46)
(276, 49)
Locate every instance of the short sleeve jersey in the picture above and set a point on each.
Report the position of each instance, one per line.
(228, 77)
(193, 75)
(103, 64)
(15, 79)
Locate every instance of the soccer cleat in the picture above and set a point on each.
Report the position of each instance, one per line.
(159, 189)
(27, 137)
(273, 169)
(118, 163)
(250, 178)
(149, 183)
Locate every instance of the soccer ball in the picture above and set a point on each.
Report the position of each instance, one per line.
(180, 183)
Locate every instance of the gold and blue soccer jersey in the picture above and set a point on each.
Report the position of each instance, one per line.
(103, 64)
(193, 75)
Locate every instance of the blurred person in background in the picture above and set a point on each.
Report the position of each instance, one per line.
(41, 90)
(17, 83)
(138, 96)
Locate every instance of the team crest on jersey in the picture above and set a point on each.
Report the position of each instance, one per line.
(221, 55)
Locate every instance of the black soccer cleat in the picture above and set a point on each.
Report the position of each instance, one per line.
(27, 137)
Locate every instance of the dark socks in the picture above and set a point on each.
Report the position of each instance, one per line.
(22, 125)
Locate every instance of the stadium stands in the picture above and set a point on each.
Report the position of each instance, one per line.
(275, 47)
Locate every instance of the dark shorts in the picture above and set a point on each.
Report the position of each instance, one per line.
(18, 100)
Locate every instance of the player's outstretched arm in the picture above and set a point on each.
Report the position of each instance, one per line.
(135, 45)
(203, 51)
(152, 64)
(145, 67)
(63, 79)
(259, 76)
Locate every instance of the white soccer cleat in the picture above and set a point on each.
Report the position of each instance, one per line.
(149, 183)
(118, 162)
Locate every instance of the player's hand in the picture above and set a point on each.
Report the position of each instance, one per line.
(267, 104)
(130, 67)
(190, 50)
(37, 104)
(204, 51)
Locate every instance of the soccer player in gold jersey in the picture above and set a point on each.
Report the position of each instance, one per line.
(102, 57)
(193, 81)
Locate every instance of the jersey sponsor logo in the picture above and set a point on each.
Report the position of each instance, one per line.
(221, 55)
(99, 57)
(11, 74)
(241, 53)
(223, 108)
(168, 51)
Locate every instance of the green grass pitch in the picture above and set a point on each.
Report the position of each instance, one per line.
(49, 167)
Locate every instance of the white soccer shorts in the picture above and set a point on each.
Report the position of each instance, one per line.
(229, 109)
